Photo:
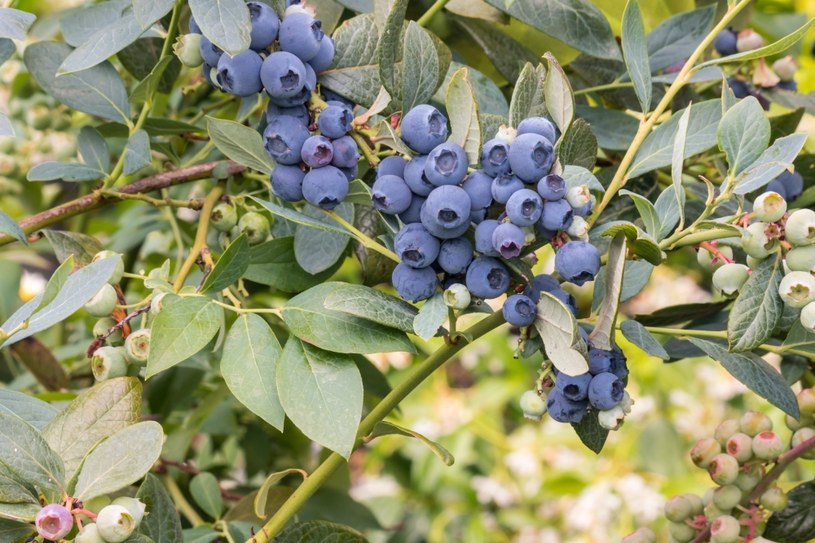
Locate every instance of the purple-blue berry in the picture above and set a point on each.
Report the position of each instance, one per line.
(508, 240)
(563, 410)
(577, 262)
(414, 284)
(556, 215)
(301, 35)
(725, 42)
(415, 246)
(283, 75)
(531, 157)
(423, 128)
(524, 207)
(415, 178)
(487, 277)
(325, 56)
(455, 255)
(446, 164)
(483, 237)
(317, 152)
(519, 310)
(391, 195)
(538, 125)
(210, 52)
(346, 152)
(325, 187)
(287, 182)
(552, 187)
(573, 387)
(284, 138)
(298, 112)
(335, 121)
(478, 186)
(240, 75)
(605, 391)
(265, 25)
(600, 361)
(414, 211)
(495, 157)
(505, 186)
(448, 207)
(392, 165)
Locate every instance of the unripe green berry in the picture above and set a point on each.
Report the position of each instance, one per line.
(800, 227)
(756, 242)
(768, 445)
(103, 302)
(681, 532)
(806, 401)
(532, 405)
(799, 437)
(108, 362)
(774, 499)
(723, 469)
(641, 535)
(102, 327)
(801, 259)
(89, 534)
(749, 478)
(769, 206)
(725, 430)
(457, 296)
(794, 424)
(712, 512)
(137, 346)
(187, 48)
(678, 509)
(753, 423)
(725, 529)
(255, 226)
(695, 501)
(727, 497)
(118, 271)
(578, 196)
(704, 451)
(740, 447)
(223, 217)
(785, 68)
(807, 317)
(115, 523)
(730, 278)
(135, 506)
(797, 289)
(753, 262)
(705, 258)
(39, 117)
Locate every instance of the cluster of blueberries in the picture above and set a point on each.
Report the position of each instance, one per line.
(114, 523)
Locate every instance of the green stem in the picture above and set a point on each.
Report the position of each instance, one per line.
(685, 240)
(378, 413)
(362, 238)
(181, 502)
(434, 9)
(609, 86)
(200, 236)
(620, 177)
(367, 152)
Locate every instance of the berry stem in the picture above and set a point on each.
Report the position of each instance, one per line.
(181, 502)
(712, 249)
(193, 203)
(378, 413)
(431, 11)
(200, 236)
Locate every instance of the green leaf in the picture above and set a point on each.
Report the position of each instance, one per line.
(743, 134)
(137, 152)
(161, 523)
(240, 143)
(317, 250)
(797, 338)
(182, 328)
(322, 394)
(420, 67)
(767, 51)
(120, 460)
(431, 317)
(636, 275)
(143, 58)
(97, 91)
(224, 22)
(758, 375)
(389, 46)
(385, 428)
(373, 305)
(557, 92)
(6, 130)
(93, 148)
(301, 218)
(508, 56)
(676, 314)
(758, 308)
(66, 244)
(657, 149)
(35, 412)
(355, 71)
(641, 243)
(602, 336)
(615, 130)
(26, 457)
(575, 22)
(207, 494)
(561, 341)
(63, 171)
(41, 363)
(678, 36)
(578, 146)
(635, 52)
(319, 531)
(647, 211)
(248, 364)
(591, 434)
(462, 111)
(527, 96)
(273, 263)
(9, 226)
(148, 86)
(230, 267)
(796, 522)
(386, 135)
(7, 48)
(340, 332)
(102, 44)
(261, 500)
(78, 25)
(642, 338)
(148, 12)
(14, 23)
(779, 157)
(677, 163)
(15, 531)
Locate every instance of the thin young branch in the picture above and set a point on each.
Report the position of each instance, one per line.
(200, 236)
(432, 10)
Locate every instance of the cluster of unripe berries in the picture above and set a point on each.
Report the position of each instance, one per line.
(114, 523)
(776, 230)
(255, 226)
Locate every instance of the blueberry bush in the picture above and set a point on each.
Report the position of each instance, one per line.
(244, 208)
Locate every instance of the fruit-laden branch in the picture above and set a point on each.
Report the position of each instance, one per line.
(98, 198)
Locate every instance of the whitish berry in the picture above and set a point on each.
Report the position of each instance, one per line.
(785, 68)
(704, 451)
(769, 206)
(115, 523)
(808, 317)
(723, 469)
(54, 521)
(749, 477)
(89, 534)
(801, 259)
(740, 446)
(725, 430)
(456, 296)
(678, 509)
(756, 242)
(223, 217)
(532, 405)
(135, 506)
(726, 497)
(806, 401)
(103, 326)
(137, 346)
(797, 289)
(801, 436)
(108, 362)
(709, 261)
(774, 499)
(730, 278)
(103, 302)
(612, 419)
(118, 270)
(753, 423)
(749, 40)
(725, 529)
(800, 227)
(187, 48)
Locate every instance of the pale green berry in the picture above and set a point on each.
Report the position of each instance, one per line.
(641, 535)
(135, 506)
(579, 229)
(768, 446)
(725, 430)
(137, 347)
(223, 217)
(89, 534)
(712, 512)
(705, 258)
(800, 227)
(756, 242)
(681, 532)
(769, 206)
(801, 436)
(749, 477)
(103, 302)
(723, 469)
(749, 40)
(255, 226)
(115, 523)
(678, 509)
(785, 68)
(806, 401)
(774, 499)
(801, 259)
(725, 529)
(695, 501)
(797, 289)
(532, 405)
(578, 196)
(753, 423)
(753, 262)
(457, 296)
(187, 48)
(807, 317)
(730, 278)
(726, 497)
(108, 363)
(794, 424)
(612, 419)
(102, 327)
(39, 118)
(740, 447)
(704, 451)
(118, 270)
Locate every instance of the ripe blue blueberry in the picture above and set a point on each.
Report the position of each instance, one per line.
(415, 177)
(346, 152)
(350, 173)
(325, 56)
(478, 186)
(505, 186)
(487, 277)
(317, 151)
(508, 240)
(431, 223)
(335, 121)
(331, 96)
(283, 75)
(423, 128)
(740, 88)
(455, 255)
(567, 299)
(495, 157)
(556, 215)
(448, 206)
(210, 52)
(192, 26)
(563, 410)
(265, 25)
(552, 187)
(531, 157)
(325, 187)
(538, 125)
(619, 364)
(790, 86)
(446, 164)
(524, 207)
(284, 138)
(519, 310)
(577, 262)
(478, 215)
(292, 101)
(415, 246)
(390, 194)
(301, 35)
(605, 391)
(483, 237)
(392, 165)
(573, 387)
(793, 184)
(311, 78)
(298, 112)
(287, 182)
(414, 284)
(725, 42)
(541, 283)
(414, 211)
(600, 361)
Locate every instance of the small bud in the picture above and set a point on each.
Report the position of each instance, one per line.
(725, 430)
(727, 497)
(118, 271)
(532, 405)
(255, 226)
(115, 523)
(774, 499)
(89, 534)
(704, 451)
(769, 206)
(753, 423)
(54, 522)
(187, 48)
(457, 296)
(578, 196)
(223, 217)
(103, 302)
(678, 509)
(740, 447)
(725, 529)
(137, 347)
(723, 469)
(102, 327)
(749, 40)
(134, 506)
(785, 68)
(108, 362)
